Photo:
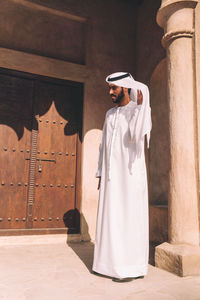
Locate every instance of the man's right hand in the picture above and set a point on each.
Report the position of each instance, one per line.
(99, 184)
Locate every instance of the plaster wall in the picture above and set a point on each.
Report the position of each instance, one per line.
(197, 85)
(159, 155)
(151, 69)
(108, 30)
(149, 51)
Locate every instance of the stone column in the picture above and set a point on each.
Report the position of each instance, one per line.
(182, 254)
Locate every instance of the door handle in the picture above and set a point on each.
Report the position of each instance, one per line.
(40, 162)
(43, 159)
(40, 166)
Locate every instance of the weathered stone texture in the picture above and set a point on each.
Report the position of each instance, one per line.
(183, 260)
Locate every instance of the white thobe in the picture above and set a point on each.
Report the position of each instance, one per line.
(122, 239)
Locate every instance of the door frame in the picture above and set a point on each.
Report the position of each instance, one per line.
(78, 179)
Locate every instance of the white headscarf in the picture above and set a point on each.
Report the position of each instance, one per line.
(125, 80)
(142, 125)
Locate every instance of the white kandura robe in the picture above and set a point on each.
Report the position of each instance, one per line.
(122, 238)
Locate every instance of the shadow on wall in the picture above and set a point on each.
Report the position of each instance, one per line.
(159, 159)
(22, 99)
(71, 219)
(76, 223)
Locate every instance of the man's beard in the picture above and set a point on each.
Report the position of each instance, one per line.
(119, 97)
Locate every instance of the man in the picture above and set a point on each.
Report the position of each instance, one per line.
(121, 245)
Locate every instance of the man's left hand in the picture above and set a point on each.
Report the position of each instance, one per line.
(139, 97)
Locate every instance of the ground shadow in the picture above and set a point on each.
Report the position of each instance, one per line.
(85, 251)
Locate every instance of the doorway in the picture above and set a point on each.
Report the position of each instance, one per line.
(40, 152)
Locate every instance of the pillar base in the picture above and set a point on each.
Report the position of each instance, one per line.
(182, 259)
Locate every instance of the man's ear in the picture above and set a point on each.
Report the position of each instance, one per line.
(125, 90)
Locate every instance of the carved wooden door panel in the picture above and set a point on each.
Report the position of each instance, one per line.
(56, 109)
(40, 133)
(15, 146)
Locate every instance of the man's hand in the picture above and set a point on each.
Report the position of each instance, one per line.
(139, 97)
(99, 184)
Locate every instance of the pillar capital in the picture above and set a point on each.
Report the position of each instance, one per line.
(176, 18)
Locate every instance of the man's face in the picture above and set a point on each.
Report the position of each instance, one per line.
(116, 93)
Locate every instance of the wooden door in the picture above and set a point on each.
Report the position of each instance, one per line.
(15, 146)
(57, 110)
(46, 195)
